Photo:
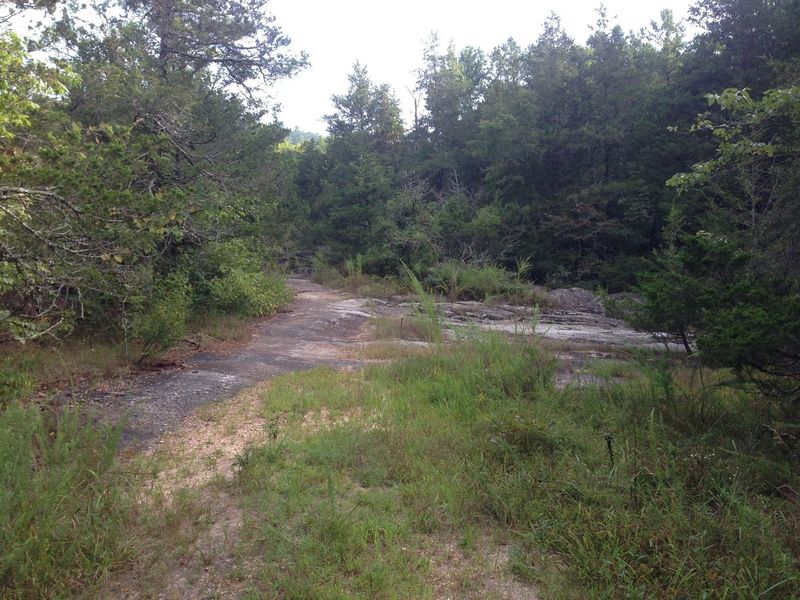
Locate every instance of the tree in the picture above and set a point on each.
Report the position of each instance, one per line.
(235, 41)
(151, 154)
(745, 279)
(368, 114)
(744, 43)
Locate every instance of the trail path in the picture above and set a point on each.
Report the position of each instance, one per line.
(195, 452)
(318, 325)
(316, 330)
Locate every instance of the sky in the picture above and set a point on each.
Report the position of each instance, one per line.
(388, 37)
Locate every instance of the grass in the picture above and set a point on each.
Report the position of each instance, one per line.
(353, 279)
(457, 280)
(388, 350)
(426, 320)
(663, 486)
(81, 363)
(404, 479)
(452, 280)
(63, 507)
(48, 367)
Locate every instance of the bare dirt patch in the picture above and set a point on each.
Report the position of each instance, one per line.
(478, 573)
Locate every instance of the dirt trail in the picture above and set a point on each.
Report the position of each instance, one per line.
(318, 329)
(313, 332)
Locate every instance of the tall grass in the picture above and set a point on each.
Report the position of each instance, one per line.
(666, 486)
(62, 508)
(458, 280)
(427, 320)
(354, 279)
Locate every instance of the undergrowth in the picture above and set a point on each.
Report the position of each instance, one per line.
(670, 484)
(457, 280)
(351, 278)
(450, 280)
(50, 365)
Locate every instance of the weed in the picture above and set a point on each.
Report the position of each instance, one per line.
(427, 320)
(63, 509)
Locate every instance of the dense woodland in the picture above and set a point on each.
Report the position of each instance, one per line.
(143, 178)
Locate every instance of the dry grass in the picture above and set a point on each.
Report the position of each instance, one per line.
(390, 350)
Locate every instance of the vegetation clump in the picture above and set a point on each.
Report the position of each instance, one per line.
(64, 507)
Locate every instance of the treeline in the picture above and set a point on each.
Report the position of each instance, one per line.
(141, 182)
(139, 185)
(634, 161)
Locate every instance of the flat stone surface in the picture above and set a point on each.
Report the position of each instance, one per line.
(318, 325)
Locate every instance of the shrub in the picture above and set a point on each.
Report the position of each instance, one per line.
(163, 321)
(251, 293)
(229, 277)
(463, 281)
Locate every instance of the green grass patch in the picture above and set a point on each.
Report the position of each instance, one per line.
(458, 280)
(667, 485)
(63, 509)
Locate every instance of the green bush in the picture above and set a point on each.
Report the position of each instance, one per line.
(62, 510)
(463, 281)
(229, 277)
(163, 321)
(251, 293)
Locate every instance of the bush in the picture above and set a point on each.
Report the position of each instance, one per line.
(163, 321)
(229, 277)
(463, 281)
(249, 293)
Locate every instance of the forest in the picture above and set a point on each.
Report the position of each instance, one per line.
(142, 182)
(148, 190)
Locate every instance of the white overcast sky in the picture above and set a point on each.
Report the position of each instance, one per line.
(388, 38)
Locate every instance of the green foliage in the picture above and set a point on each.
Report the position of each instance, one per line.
(156, 148)
(62, 506)
(163, 320)
(22, 82)
(250, 293)
(735, 287)
(229, 277)
(464, 281)
(428, 322)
